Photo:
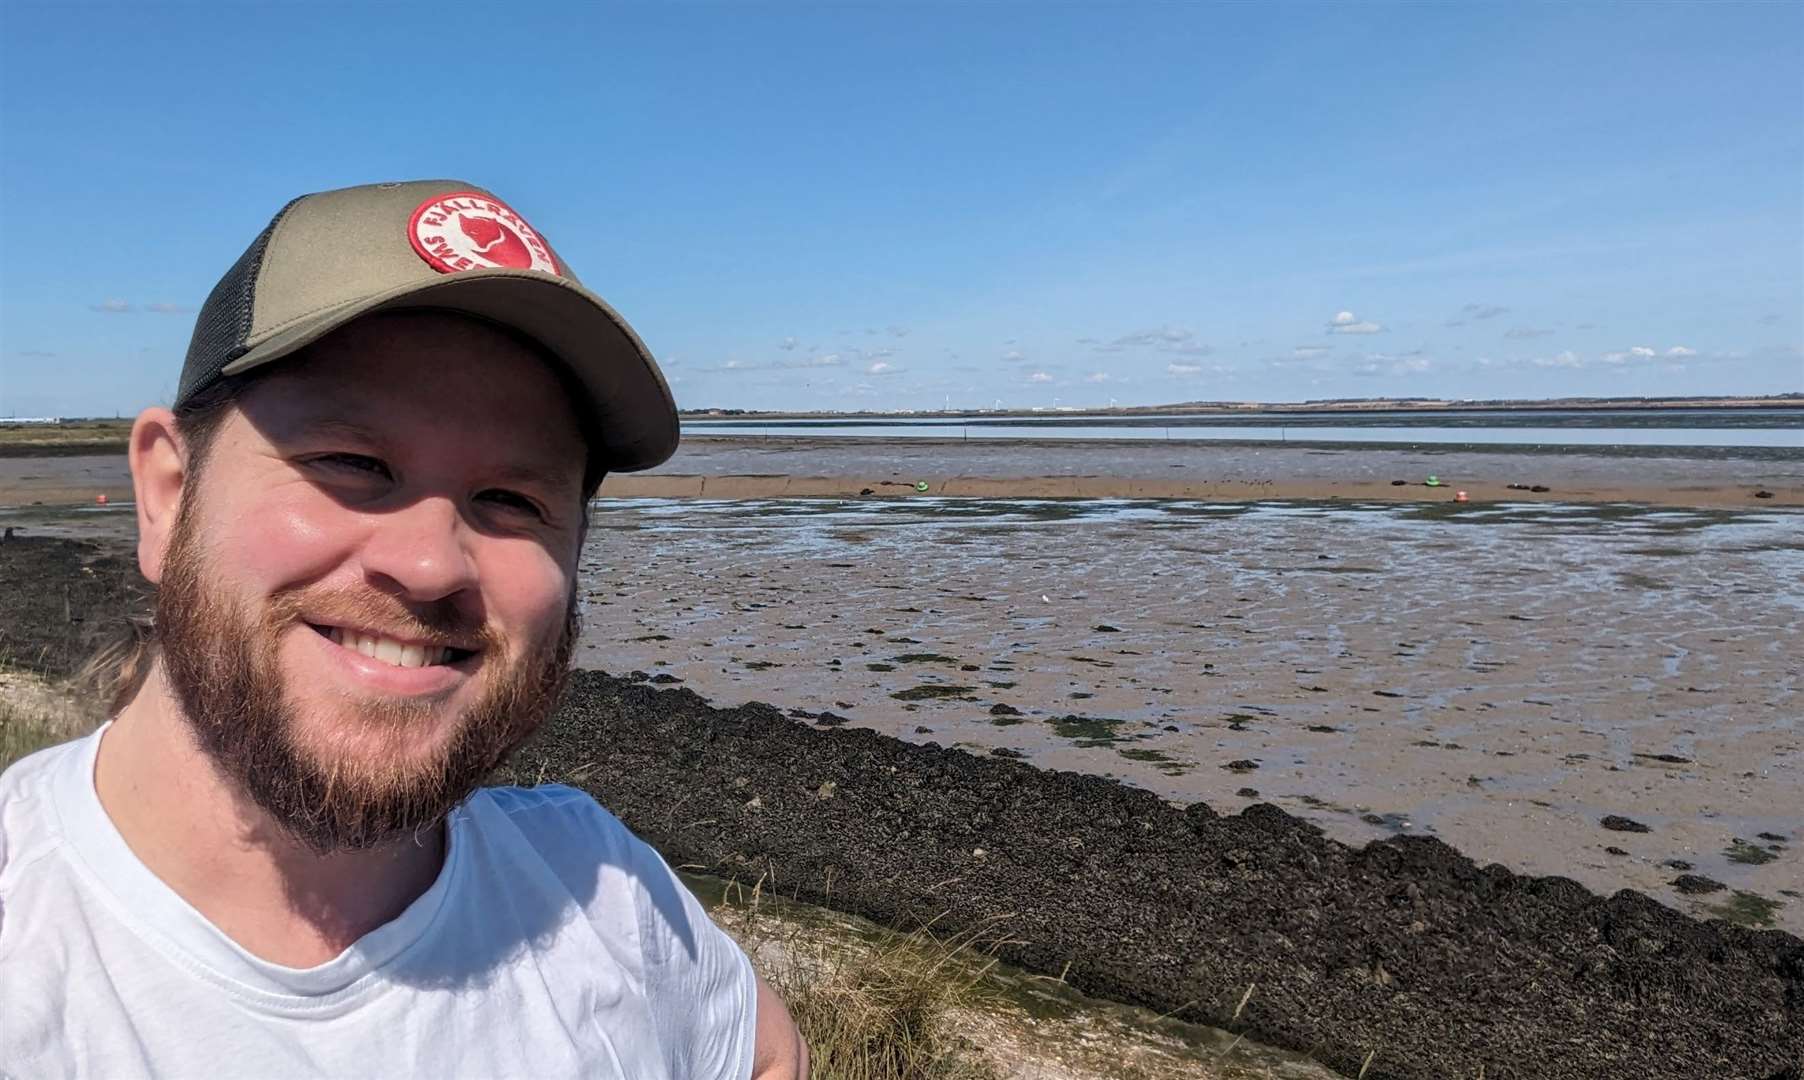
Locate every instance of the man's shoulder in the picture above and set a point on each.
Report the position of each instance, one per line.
(550, 803)
(30, 772)
(552, 816)
(29, 824)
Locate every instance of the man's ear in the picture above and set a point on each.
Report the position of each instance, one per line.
(159, 461)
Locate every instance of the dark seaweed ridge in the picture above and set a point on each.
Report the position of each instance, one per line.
(1404, 946)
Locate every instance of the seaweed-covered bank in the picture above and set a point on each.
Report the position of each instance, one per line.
(1402, 957)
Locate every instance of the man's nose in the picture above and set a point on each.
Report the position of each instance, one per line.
(420, 551)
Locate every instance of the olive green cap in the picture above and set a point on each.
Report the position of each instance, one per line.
(331, 257)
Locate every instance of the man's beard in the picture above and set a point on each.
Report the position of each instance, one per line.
(221, 661)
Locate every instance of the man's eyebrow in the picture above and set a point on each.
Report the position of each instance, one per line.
(327, 426)
(525, 475)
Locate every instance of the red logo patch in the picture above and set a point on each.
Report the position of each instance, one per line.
(467, 230)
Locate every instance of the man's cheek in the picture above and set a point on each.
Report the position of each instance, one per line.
(532, 591)
(286, 543)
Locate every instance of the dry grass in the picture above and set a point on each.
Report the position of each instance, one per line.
(881, 1007)
(28, 438)
(888, 1005)
(36, 712)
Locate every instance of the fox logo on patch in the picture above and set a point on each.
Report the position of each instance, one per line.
(467, 230)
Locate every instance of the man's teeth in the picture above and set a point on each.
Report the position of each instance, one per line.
(388, 650)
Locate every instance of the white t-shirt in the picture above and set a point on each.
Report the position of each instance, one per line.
(553, 943)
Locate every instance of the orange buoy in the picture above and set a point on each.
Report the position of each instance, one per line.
(1459, 496)
(101, 499)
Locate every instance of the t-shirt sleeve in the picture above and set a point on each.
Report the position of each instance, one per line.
(701, 986)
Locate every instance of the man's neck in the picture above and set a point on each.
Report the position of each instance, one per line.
(221, 853)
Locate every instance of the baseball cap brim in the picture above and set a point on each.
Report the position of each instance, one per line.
(635, 419)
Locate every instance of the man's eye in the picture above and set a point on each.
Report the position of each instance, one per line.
(352, 463)
(512, 500)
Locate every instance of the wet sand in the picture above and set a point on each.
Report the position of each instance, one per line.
(781, 467)
(1502, 677)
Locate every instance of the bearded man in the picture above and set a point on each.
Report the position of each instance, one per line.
(364, 515)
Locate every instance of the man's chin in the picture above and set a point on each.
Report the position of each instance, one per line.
(377, 736)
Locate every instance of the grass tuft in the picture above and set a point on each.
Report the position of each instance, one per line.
(36, 713)
(882, 1010)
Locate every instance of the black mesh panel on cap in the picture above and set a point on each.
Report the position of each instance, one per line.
(225, 319)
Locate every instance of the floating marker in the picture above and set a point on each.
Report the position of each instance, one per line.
(100, 499)
(1459, 496)
(1433, 481)
(921, 485)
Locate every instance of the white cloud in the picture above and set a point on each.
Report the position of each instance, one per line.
(788, 344)
(1183, 369)
(1014, 354)
(111, 306)
(1346, 322)
(1567, 359)
(1097, 377)
(1312, 350)
(1166, 339)
(877, 368)
(1629, 355)
(817, 361)
(1411, 363)
(1039, 377)
(1680, 350)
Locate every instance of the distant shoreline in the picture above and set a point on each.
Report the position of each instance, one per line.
(1255, 408)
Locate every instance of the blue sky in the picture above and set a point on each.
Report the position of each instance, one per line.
(905, 205)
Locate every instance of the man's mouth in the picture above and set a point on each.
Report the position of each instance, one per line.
(389, 650)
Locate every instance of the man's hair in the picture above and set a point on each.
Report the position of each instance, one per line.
(116, 671)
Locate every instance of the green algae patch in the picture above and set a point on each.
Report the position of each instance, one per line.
(923, 658)
(932, 691)
(1087, 731)
(1158, 759)
(1745, 909)
(1740, 851)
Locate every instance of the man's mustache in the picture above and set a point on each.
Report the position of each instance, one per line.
(441, 623)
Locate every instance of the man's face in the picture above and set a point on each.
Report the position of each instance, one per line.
(368, 598)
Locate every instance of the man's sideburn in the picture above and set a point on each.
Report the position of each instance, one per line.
(220, 661)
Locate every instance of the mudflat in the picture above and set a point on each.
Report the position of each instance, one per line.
(1511, 678)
